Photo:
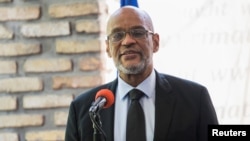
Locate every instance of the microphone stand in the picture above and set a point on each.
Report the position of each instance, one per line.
(99, 134)
(104, 98)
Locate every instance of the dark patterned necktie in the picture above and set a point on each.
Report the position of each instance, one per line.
(135, 119)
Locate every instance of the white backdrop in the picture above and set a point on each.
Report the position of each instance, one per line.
(207, 41)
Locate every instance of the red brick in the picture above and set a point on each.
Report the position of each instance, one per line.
(90, 63)
(21, 84)
(47, 101)
(76, 81)
(5, 33)
(8, 103)
(19, 49)
(88, 26)
(22, 120)
(47, 65)
(19, 13)
(46, 29)
(8, 136)
(75, 46)
(46, 135)
(8, 67)
(60, 118)
(73, 9)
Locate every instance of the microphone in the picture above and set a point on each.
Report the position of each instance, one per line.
(104, 99)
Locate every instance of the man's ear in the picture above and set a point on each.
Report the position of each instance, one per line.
(108, 49)
(156, 41)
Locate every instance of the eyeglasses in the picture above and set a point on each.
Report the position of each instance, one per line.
(134, 33)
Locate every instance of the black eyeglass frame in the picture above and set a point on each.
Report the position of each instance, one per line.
(131, 33)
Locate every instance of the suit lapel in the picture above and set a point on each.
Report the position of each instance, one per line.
(164, 107)
(107, 115)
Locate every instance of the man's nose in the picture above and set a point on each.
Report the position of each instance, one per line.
(128, 39)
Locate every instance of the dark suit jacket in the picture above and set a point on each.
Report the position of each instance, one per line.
(183, 110)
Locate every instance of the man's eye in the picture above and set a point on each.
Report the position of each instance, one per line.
(138, 33)
(118, 35)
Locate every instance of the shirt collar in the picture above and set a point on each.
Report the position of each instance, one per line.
(147, 86)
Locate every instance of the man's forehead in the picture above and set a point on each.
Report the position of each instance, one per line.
(127, 17)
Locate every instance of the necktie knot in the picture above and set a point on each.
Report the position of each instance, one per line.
(135, 94)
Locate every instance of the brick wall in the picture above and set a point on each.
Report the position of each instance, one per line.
(50, 51)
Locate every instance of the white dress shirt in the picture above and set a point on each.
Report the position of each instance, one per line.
(122, 104)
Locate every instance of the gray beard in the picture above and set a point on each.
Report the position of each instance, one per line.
(132, 69)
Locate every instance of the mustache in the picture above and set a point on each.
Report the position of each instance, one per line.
(129, 52)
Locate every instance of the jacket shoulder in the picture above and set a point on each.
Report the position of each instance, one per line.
(175, 81)
(88, 96)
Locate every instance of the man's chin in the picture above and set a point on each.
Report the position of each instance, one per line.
(130, 69)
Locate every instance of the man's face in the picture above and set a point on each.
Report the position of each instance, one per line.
(130, 42)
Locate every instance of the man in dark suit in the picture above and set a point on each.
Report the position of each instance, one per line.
(175, 109)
